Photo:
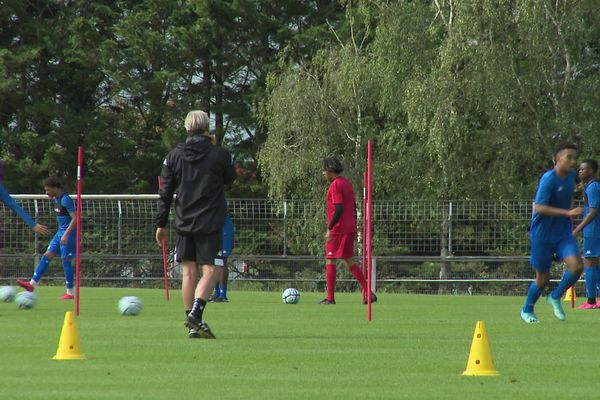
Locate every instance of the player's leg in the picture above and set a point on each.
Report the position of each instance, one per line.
(189, 277)
(541, 261)
(357, 272)
(206, 247)
(590, 267)
(42, 266)
(330, 279)
(591, 253)
(224, 277)
(568, 251)
(67, 252)
(332, 253)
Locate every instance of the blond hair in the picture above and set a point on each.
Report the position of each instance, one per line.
(196, 122)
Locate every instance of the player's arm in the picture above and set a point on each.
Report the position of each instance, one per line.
(550, 211)
(71, 227)
(165, 198)
(594, 201)
(588, 218)
(68, 203)
(335, 218)
(7, 199)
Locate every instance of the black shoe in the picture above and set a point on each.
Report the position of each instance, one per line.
(194, 334)
(373, 299)
(326, 301)
(200, 326)
(224, 299)
(217, 300)
(211, 299)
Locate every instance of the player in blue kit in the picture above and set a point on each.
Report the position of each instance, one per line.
(551, 232)
(63, 243)
(590, 225)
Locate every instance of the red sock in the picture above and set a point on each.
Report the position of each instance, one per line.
(330, 276)
(358, 274)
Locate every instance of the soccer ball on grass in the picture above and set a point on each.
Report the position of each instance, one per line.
(26, 300)
(130, 305)
(7, 294)
(290, 296)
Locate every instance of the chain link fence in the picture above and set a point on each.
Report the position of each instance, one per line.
(418, 246)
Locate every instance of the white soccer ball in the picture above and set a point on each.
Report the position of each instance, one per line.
(25, 300)
(7, 294)
(130, 305)
(290, 296)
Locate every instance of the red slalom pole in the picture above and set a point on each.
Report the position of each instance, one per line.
(79, 212)
(369, 224)
(364, 231)
(164, 254)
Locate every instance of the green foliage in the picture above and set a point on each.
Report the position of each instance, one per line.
(464, 100)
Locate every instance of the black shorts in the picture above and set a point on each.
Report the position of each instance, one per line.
(202, 249)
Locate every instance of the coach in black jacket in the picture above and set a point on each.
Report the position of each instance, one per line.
(197, 171)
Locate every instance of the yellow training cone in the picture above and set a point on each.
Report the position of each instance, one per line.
(570, 294)
(480, 361)
(69, 347)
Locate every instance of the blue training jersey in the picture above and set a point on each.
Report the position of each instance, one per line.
(6, 198)
(227, 235)
(64, 206)
(555, 192)
(591, 199)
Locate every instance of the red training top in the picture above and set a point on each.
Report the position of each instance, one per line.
(341, 192)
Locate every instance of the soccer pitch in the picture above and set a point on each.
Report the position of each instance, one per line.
(416, 347)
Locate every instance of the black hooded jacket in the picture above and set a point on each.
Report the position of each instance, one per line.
(197, 171)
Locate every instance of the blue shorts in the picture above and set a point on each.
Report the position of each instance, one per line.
(591, 247)
(67, 251)
(543, 253)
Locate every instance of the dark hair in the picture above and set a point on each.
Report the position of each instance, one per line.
(592, 163)
(564, 146)
(52, 181)
(332, 164)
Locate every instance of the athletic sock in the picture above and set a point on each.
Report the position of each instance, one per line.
(70, 291)
(358, 274)
(590, 284)
(68, 268)
(223, 291)
(330, 277)
(533, 294)
(40, 270)
(566, 282)
(217, 292)
(198, 308)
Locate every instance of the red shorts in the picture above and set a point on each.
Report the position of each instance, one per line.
(340, 246)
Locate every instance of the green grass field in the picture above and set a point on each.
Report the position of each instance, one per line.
(416, 347)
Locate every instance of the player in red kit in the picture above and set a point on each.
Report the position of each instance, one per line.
(341, 227)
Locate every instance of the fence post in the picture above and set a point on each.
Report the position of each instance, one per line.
(285, 233)
(450, 228)
(120, 230)
(374, 274)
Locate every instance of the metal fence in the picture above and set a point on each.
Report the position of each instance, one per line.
(417, 245)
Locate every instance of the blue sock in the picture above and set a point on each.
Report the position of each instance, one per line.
(217, 292)
(223, 291)
(41, 268)
(68, 268)
(590, 282)
(566, 282)
(533, 294)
